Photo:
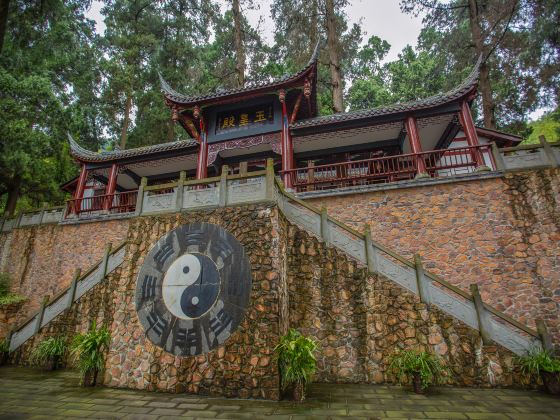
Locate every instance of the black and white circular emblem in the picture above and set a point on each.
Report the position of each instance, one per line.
(193, 289)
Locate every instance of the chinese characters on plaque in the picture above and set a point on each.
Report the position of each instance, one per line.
(242, 119)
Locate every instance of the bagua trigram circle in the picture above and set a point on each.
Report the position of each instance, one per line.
(193, 289)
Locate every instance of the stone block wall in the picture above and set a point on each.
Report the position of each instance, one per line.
(360, 320)
(41, 260)
(501, 233)
(243, 366)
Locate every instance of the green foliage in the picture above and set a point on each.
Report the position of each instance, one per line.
(548, 126)
(49, 350)
(89, 348)
(295, 358)
(7, 298)
(407, 363)
(4, 347)
(11, 299)
(538, 361)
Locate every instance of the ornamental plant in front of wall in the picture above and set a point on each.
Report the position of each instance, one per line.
(420, 367)
(296, 361)
(89, 350)
(541, 364)
(50, 352)
(4, 352)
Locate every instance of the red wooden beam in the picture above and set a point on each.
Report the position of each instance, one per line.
(296, 108)
(189, 125)
(111, 187)
(79, 191)
(415, 146)
(467, 123)
(202, 162)
(287, 146)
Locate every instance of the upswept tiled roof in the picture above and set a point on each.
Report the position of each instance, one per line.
(85, 155)
(179, 98)
(458, 92)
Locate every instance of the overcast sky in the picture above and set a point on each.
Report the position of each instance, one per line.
(379, 17)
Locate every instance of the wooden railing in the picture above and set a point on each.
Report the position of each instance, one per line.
(123, 202)
(438, 163)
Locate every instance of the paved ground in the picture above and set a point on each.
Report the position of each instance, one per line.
(29, 393)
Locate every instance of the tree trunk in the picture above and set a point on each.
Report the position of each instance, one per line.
(488, 105)
(334, 59)
(239, 46)
(314, 27)
(4, 10)
(13, 195)
(126, 121)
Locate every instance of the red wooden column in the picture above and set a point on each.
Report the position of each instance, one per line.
(111, 187)
(415, 146)
(467, 123)
(202, 162)
(79, 191)
(287, 146)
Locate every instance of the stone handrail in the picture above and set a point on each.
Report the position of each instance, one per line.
(80, 285)
(33, 218)
(527, 156)
(432, 289)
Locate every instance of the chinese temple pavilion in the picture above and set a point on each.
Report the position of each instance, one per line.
(242, 127)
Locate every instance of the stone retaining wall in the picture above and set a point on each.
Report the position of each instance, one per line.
(360, 320)
(501, 233)
(41, 260)
(243, 367)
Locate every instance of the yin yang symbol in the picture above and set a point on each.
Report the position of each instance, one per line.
(191, 286)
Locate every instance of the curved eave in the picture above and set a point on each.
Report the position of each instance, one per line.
(87, 156)
(184, 101)
(465, 90)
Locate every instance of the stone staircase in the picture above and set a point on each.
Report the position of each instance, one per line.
(493, 325)
(80, 285)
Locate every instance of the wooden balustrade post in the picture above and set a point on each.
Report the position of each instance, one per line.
(415, 146)
(310, 175)
(140, 197)
(40, 314)
(544, 335)
(498, 158)
(269, 179)
(482, 315)
(549, 153)
(222, 201)
(180, 190)
(105, 260)
(325, 231)
(422, 281)
(371, 251)
(73, 286)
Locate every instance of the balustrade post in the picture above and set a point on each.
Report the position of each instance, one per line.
(552, 159)
(73, 286)
(222, 200)
(40, 314)
(180, 190)
(482, 315)
(325, 231)
(42, 214)
(310, 175)
(269, 179)
(140, 197)
(544, 335)
(17, 222)
(105, 260)
(243, 171)
(422, 281)
(371, 252)
(498, 158)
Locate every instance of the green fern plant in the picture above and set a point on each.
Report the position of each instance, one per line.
(296, 361)
(50, 352)
(423, 368)
(537, 362)
(4, 352)
(89, 350)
